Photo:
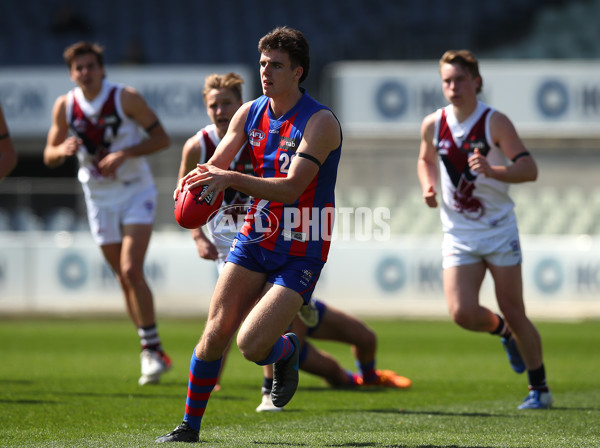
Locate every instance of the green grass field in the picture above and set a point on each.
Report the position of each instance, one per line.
(73, 383)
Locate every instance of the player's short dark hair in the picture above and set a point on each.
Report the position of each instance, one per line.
(292, 42)
(81, 48)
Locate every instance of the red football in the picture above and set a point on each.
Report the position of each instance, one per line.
(190, 213)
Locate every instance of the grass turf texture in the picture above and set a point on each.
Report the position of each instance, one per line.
(73, 383)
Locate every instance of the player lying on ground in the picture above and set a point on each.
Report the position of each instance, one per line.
(319, 321)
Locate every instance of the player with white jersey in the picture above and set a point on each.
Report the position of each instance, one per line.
(223, 228)
(480, 154)
(110, 128)
(222, 96)
(8, 154)
(112, 132)
(491, 208)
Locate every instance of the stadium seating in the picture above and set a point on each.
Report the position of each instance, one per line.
(193, 32)
(540, 211)
(546, 211)
(188, 31)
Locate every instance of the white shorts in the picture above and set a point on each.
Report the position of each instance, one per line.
(106, 221)
(501, 249)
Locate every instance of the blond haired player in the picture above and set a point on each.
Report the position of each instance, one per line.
(480, 155)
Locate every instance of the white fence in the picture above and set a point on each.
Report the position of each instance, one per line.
(64, 273)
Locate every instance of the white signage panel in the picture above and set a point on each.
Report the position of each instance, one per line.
(174, 92)
(400, 277)
(542, 98)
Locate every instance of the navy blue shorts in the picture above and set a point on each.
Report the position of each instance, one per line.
(297, 273)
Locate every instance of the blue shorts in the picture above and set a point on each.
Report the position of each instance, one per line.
(297, 273)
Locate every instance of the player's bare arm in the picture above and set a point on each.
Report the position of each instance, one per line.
(136, 108)
(504, 135)
(59, 145)
(8, 154)
(427, 168)
(233, 140)
(226, 150)
(322, 135)
(189, 160)
(189, 156)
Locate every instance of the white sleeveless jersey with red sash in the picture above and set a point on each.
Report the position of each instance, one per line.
(303, 228)
(242, 162)
(470, 202)
(103, 127)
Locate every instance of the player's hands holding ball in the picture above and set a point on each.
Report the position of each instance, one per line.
(209, 175)
(199, 194)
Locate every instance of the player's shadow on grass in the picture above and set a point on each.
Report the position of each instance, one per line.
(382, 445)
(373, 445)
(442, 413)
(16, 382)
(358, 389)
(585, 409)
(28, 402)
(9, 382)
(143, 396)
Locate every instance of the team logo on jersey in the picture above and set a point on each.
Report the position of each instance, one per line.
(244, 167)
(287, 143)
(79, 125)
(465, 202)
(443, 146)
(108, 120)
(470, 146)
(256, 136)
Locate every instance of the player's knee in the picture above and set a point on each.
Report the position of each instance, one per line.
(213, 343)
(371, 338)
(368, 340)
(463, 317)
(250, 348)
(132, 274)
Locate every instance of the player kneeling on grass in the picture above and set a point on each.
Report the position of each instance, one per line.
(320, 321)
